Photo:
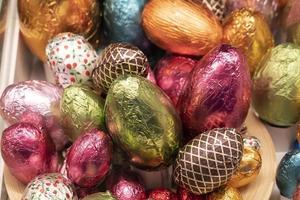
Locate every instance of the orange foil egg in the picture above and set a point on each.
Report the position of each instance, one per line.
(248, 31)
(181, 26)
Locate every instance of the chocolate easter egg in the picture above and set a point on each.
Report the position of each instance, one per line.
(292, 21)
(184, 194)
(252, 142)
(216, 6)
(119, 59)
(143, 122)
(71, 58)
(248, 31)
(217, 93)
(172, 73)
(181, 26)
(36, 98)
(100, 196)
(162, 194)
(248, 169)
(28, 152)
(81, 109)
(50, 186)
(209, 160)
(276, 89)
(225, 193)
(41, 20)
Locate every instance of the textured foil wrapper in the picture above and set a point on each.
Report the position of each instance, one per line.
(216, 6)
(218, 92)
(181, 26)
(50, 186)
(162, 193)
(81, 109)
(296, 195)
(248, 31)
(89, 158)
(276, 86)
(288, 173)
(100, 196)
(143, 122)
(39, 98)
(41, 20)
(248, 169)
(225, 193)
(291, 20)
(184, 194)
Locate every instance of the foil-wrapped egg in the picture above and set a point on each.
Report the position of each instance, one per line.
(209, 160)
(71, 58)
(172, 73)
(143, 122)
(50, 186)
(184, 194)
(225, 193)
(248, 169)
(89, 158)
(269, 8)
(292, 21)
(41, 20)
(252, 142)
(28, 152)
(119, 59)
(34, 98)
(180, 26)
(248, 31)
(125, 185)
(162, 194)
(217, 93)
(216, 6)
(276, 86)
(100, 196)
(296, 195)
(81, 109)
(288, 173)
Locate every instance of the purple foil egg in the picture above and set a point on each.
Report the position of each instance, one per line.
(89, 158)
(40, 98)
(217, 93)
(172, 73)
(28, 152)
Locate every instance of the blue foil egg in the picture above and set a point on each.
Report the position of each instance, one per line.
(288, 173)
(122, 23)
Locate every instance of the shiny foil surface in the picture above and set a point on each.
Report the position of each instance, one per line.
(50, 186)
(118, 59)
(122, 23)
(292, 21)
(35, 97)
(276, 86)
(143, 122)
(172, 73)
(27, 152)
(100, 196)
(162, 194)
(225, 193)
(248, 31)
(296, 195)
(81, 109)
(252, 142)
(89, 158)
(208, 161)
(288, 173)
(41, 20)
(248, 169)
(218, 92)
(184, 194)
(181, 26)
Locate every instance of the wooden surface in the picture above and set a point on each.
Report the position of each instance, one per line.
(260, 189)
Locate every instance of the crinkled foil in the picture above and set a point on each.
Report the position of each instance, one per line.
(143, 122)
(81, 109)
(225, 193)
(100, 196)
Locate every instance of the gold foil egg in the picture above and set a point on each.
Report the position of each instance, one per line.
(181, 26)
(225, 193)
(41, 20)
(248, 31)
(248, 170)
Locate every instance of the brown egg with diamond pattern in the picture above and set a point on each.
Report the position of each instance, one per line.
(216, 6)
(209, 160)
(119, 59)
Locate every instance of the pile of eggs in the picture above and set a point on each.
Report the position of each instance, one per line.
(170, 85)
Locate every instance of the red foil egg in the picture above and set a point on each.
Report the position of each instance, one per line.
(217, 93)
(172, 73)
(125, 185)
(28, 152)
(162, 194)
(183, 194)
(89, 158)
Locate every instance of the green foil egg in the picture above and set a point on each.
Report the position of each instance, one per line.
(81, 109)
(276, 86)
(100, 196)
(143, 122)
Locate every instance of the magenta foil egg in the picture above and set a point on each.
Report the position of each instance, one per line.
(172, 73)
(217, 93)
